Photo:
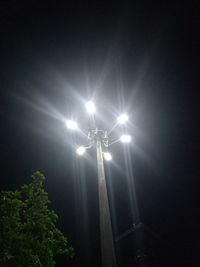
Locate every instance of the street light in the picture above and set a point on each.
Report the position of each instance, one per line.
(125, 138)
(100, 139)
(90, 107)
(71, 125)
(81, 150)
(107, 156)
(122, 119)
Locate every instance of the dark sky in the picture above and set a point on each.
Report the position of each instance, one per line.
(142, 58)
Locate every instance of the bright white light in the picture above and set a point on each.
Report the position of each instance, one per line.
(71, 124)
(125, 138)
(107, 156)
(81, 150)
(122, 119)
(90, 107)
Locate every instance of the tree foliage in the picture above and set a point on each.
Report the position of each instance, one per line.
(28, 233)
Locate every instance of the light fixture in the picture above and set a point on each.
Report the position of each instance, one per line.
(90, 107)
(125, 138)
(71, 125)
(107, 156)
(100, 139)
(81, 150)
(122, 119)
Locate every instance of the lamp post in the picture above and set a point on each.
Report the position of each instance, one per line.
(100, 139)
(107, 244)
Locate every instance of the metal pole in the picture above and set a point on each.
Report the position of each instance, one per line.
(107, 244)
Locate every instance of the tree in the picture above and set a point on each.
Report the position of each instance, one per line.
(28, 233)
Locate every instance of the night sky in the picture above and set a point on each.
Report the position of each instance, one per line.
(141, 58)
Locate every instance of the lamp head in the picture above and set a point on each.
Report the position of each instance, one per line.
(125, 138)
(80, 150)
(123, 118)
(107, 156)
(90, 107)
(71, 125)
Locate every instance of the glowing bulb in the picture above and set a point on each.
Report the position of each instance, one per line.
(122, 119)
(71, 125)
(125, 138)
(107, 156)
(81, 150)
(90, 107)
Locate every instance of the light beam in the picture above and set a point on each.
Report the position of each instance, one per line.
(125, 138)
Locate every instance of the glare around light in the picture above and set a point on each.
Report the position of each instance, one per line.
(122, 119)
(107, 156)
(125, 138)
(90, 107)
(81, 150)
(71, 125)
